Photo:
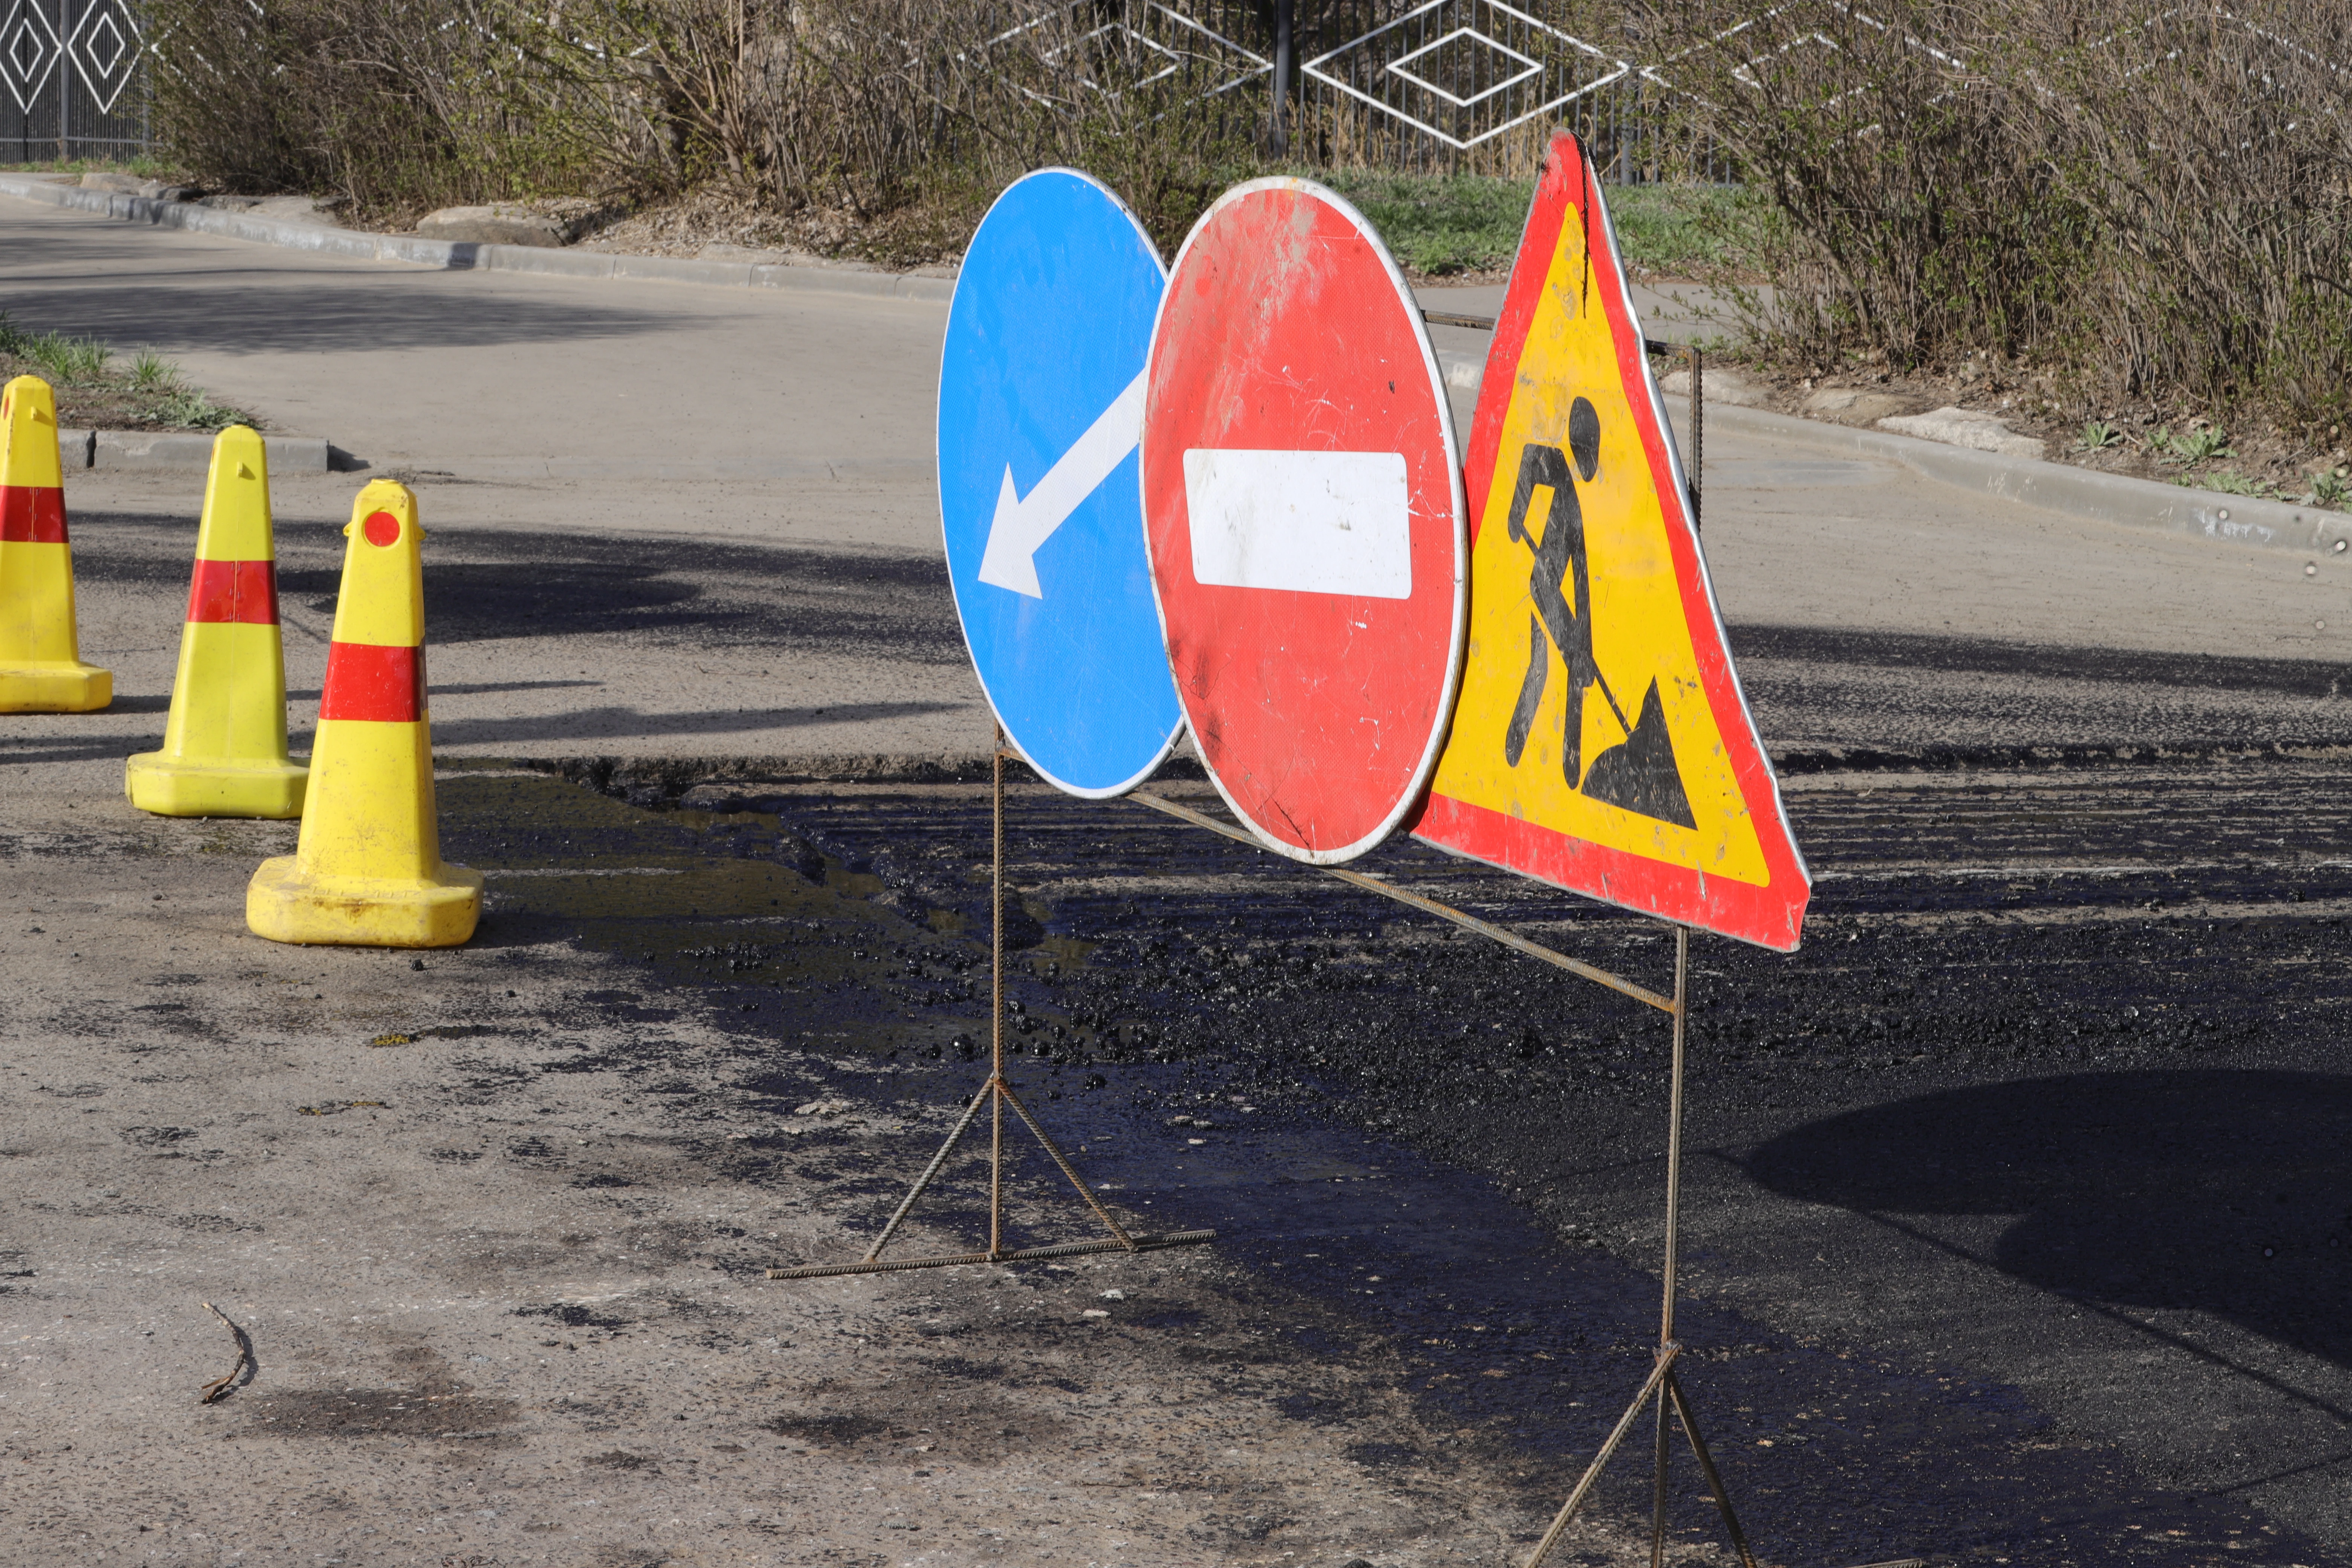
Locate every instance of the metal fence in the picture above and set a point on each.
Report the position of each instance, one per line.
(1405, 84)
(1480, 84)
(1420, 84)
(73, 80)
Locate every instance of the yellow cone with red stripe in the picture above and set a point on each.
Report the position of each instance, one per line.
(41, 669)
(368, 869)
(225, 744)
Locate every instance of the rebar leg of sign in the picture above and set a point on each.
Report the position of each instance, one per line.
(1062, 1160)
(1673, 1232)
(1674, 1133)
(996, 1170)
(1674, 1223)
(1658, 1488)
(1601, 1460)
(997, 1012)
(924, 1181)
(996, 1092)
(1706, 1468)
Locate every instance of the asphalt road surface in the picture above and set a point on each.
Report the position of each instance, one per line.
(2019, 1199)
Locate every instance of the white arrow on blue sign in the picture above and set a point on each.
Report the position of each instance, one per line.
(1040, 409)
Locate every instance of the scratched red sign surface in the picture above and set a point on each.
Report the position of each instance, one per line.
(1305, 519)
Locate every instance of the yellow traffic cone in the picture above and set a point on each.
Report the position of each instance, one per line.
(368, 871)
(225, 744)
(41, 669)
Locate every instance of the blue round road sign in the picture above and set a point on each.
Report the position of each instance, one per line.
(1041, 410)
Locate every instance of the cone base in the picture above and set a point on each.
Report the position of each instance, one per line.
(285, 905)
(55, 688)
(177, 786)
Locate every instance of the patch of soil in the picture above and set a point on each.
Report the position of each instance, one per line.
(1463, 277)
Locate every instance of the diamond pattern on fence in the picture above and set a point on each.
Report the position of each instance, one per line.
(1236, 64)
(105, 46)
(28, 52)
(1148, 42)
(1117, 52)
(1532, 67)
(179, 55)
(1465, 71)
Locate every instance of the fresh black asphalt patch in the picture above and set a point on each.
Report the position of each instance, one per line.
(2038, 1143)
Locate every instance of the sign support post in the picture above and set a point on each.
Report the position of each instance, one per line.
(996, 1093)
(1663, 1382)
(1040, 411)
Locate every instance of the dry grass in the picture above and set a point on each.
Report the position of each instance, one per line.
(2146, 213)
(902, 118)
(2149, 213)
(398, 105)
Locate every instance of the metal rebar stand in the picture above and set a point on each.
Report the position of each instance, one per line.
(1698, 428)
(1664, 1382)
(996, 1093)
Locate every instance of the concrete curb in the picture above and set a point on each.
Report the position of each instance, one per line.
(746, 468)
(2078, 492)
(464, 256)
(169, 452)
(2058, 487)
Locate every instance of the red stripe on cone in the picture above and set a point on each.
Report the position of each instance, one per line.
(235, 591)
(32, 515)
(369, 681)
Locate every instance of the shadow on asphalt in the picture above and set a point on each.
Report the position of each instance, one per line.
(586, 725)
(2036, 661)
(23, 754)
(278, 313)
(467, 688)
(488, 585)
(2216, 1191)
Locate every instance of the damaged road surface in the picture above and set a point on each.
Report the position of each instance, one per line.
(2016, 1232)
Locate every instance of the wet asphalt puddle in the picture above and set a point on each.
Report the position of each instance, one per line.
(2059, 998)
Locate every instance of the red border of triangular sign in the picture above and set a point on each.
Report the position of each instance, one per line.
(1769, 916)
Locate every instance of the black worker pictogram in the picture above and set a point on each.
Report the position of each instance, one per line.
(1638, 774)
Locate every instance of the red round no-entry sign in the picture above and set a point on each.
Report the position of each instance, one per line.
(1304, 513)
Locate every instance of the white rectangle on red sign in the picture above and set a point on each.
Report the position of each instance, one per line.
(1301, 523)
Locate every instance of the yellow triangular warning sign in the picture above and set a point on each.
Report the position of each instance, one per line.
(1601, 742)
